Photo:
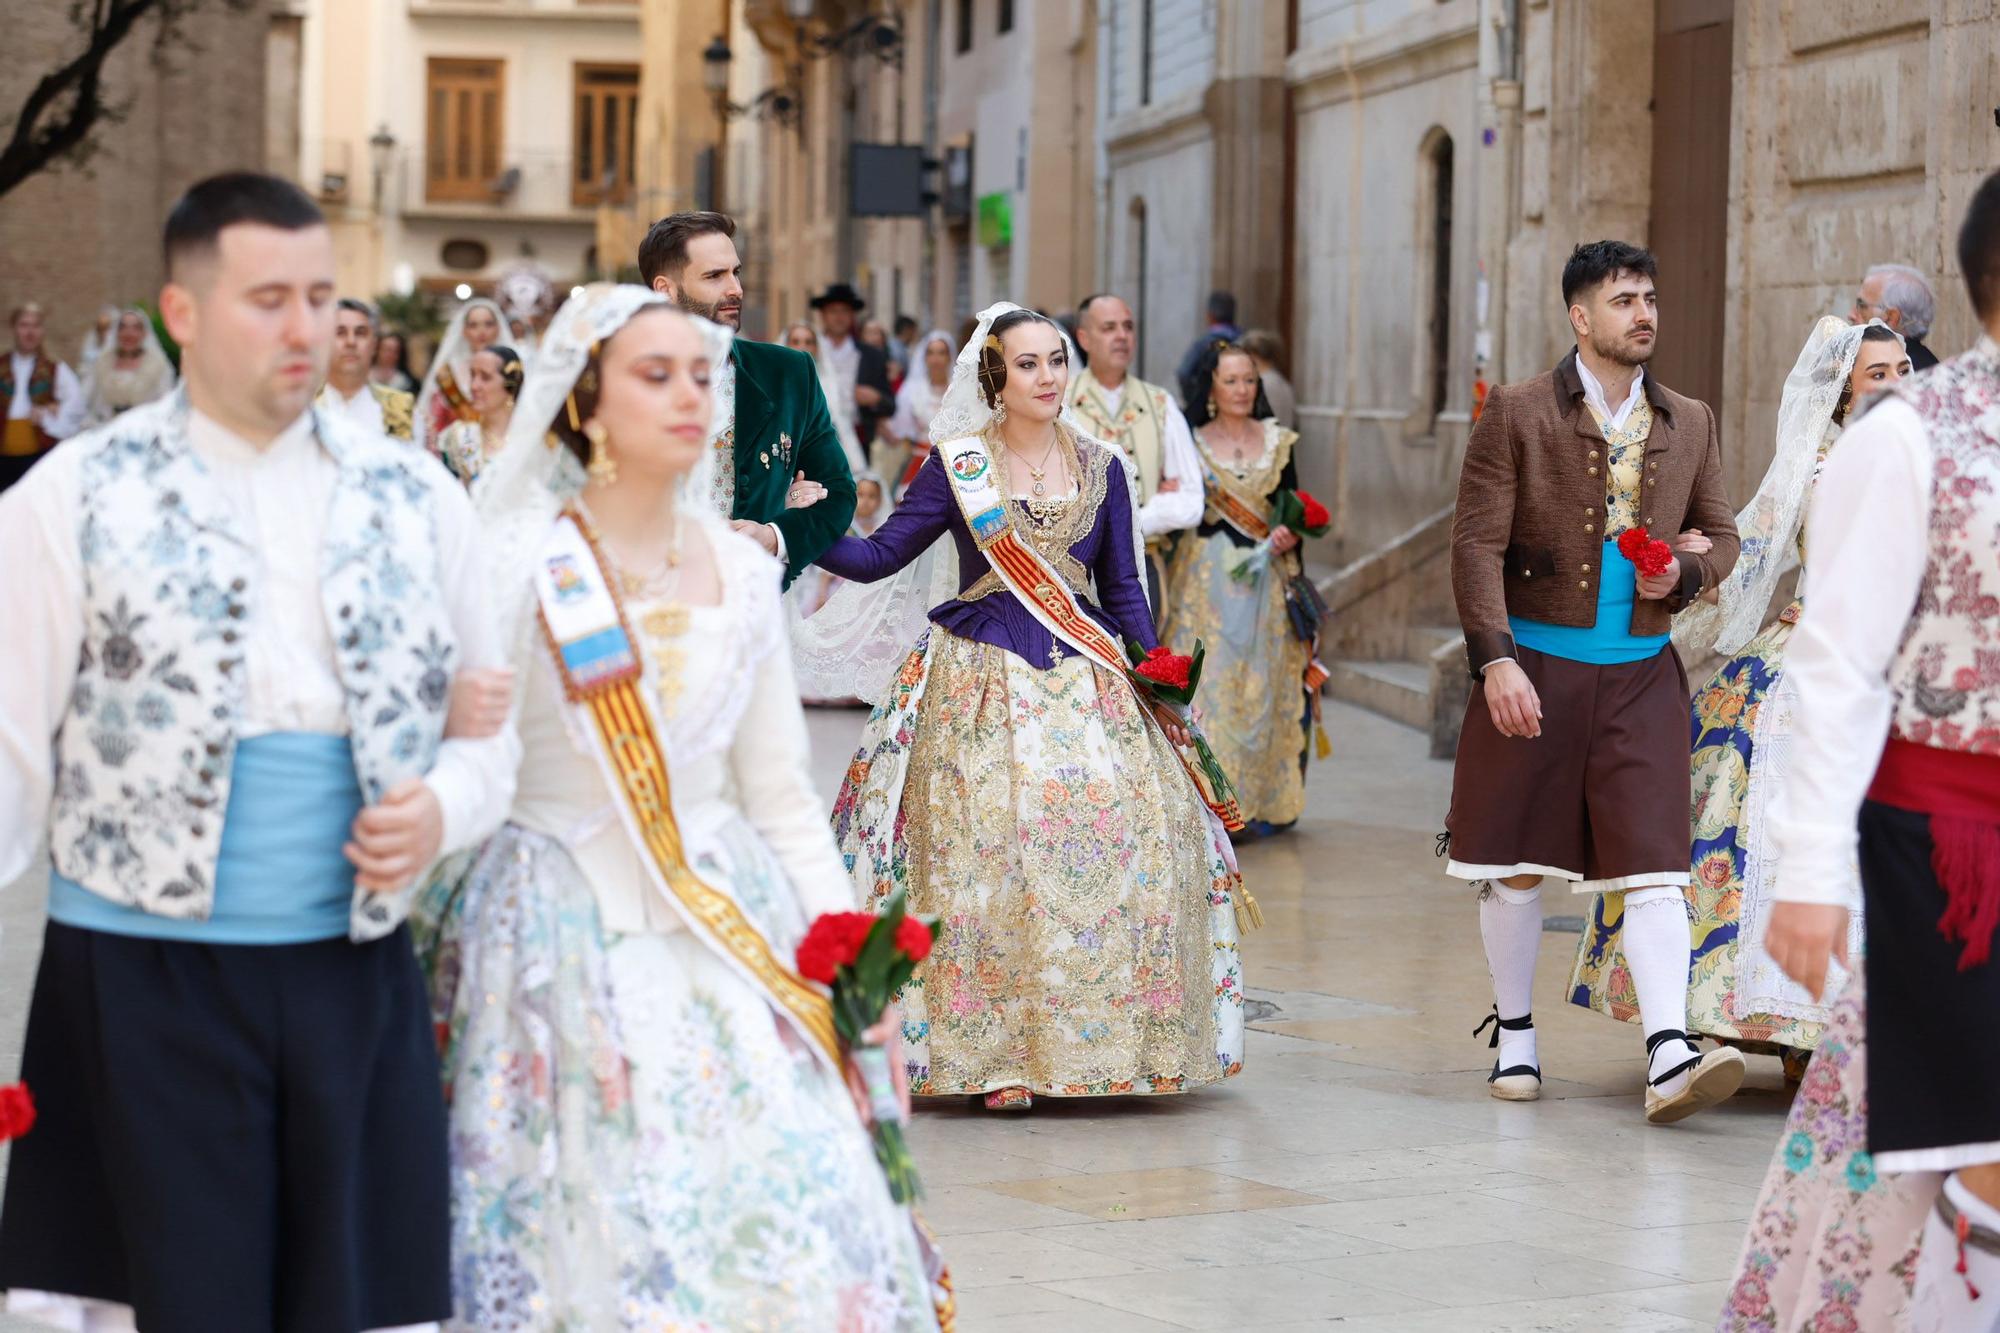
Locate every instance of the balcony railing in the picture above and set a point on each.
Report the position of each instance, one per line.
(537, 183)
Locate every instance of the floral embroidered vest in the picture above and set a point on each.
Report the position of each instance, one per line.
(1946, 674)
(1139, 426)
(142, 760)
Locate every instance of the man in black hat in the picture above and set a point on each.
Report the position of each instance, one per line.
(860, 372)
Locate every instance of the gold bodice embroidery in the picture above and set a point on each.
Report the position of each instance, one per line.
(1069, 520)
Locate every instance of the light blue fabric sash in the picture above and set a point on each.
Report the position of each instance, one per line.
(280, 877)
(1607, 642)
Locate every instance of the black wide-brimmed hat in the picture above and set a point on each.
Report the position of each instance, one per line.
(839, 293)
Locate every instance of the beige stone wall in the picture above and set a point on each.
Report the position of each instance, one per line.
(76, 238)
(1860, 130)
(1370, 105)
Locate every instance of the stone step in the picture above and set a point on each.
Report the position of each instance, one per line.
(1400, 691)
(1423, 640)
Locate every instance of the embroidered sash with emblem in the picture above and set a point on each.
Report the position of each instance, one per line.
(1038, 587)
(598, 659)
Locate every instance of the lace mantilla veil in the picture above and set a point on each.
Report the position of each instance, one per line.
(520, 493)
(852, 646)
(451, 351)
(1769, 525)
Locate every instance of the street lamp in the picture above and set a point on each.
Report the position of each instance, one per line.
(779, 104)
(381, 153)
(715, 58)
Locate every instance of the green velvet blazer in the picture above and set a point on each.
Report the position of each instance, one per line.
(782, 429)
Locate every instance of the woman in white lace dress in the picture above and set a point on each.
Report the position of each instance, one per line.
(649, 1124)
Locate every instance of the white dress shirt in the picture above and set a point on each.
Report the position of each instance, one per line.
(66, 417)
(1869, 534)
(280, 495)
(1168, 511)
(1593, 394)
(362, 408)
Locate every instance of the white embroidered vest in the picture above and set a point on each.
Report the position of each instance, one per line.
(1139, 426)
(1946, 674)
(142, 760)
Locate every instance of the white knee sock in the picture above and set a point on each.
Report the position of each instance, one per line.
(1510, 921)
(1657, 946)
(1944, 1300)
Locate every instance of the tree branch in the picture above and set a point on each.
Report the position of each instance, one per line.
(34, 144)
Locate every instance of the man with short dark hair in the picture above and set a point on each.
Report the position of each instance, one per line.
(783, 477)
(224, 706)
(1221, 328)
(349, 390)
(1573, 759)
(45, 401)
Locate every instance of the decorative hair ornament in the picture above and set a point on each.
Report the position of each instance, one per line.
(993, 341)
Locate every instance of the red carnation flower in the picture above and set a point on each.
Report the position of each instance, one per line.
(833, 942)
(1315, 512)
(1650, 557)
(1166, 668)
(17, 1111)
(913, 938)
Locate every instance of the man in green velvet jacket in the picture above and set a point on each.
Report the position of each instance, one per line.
(786, 482)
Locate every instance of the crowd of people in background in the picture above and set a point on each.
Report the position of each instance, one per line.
(508, 982)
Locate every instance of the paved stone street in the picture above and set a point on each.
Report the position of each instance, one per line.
(1356, 1175)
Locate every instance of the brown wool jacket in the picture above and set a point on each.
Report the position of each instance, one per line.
(1528, 535)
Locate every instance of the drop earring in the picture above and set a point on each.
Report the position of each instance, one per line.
(999, 413)
(1211, 407)
(601, 468)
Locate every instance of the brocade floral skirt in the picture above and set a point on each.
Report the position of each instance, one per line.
(637, 1143)
(1089, 941)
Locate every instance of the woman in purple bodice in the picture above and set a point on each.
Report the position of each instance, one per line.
(1024, 794)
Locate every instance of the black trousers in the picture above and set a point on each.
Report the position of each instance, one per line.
(1933, 1031)
(232, 1137)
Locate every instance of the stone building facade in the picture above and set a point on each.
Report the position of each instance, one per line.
(75, 238)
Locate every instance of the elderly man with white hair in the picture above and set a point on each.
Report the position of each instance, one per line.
(1900, 297)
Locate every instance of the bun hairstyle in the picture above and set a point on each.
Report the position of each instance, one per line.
(511, 370)
(992, 361)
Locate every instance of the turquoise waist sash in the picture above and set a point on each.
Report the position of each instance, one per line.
(280, 877)
(1609, 640)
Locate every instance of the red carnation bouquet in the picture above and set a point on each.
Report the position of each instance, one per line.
(1649, 555)
(1296, 510)
(866, 959)
(1173, 678)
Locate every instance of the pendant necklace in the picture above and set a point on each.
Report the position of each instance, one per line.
(1037, 475)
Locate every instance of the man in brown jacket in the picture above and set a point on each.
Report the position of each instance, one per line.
(1573, 761)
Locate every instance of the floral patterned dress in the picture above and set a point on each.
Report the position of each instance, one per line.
(1253, 696)
(1833, 1245)
(638, 1141)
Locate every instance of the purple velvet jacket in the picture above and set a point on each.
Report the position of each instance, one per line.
(928, 510)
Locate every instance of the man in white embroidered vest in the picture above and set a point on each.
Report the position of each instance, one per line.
(1896, 758)
(224, 704)
(1142, 419)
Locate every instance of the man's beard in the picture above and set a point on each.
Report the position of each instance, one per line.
(1625, 353)
(713, 311)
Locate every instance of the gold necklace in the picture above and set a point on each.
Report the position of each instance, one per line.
(1038, 475)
